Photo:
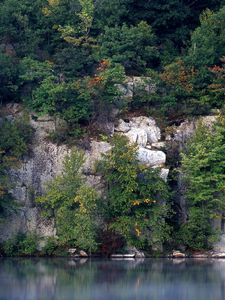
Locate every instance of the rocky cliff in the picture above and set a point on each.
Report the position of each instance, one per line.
(45, 160)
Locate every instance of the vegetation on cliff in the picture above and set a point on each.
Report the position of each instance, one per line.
(68, 59)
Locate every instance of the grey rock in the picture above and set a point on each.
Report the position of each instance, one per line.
(122, 126)
(178, 254)
(94, 155)
(149, 126)
(72, 251)
(137, 136)
(159, 145)
(151, 158)
(164, 173)
(218, 255)
(83, 253)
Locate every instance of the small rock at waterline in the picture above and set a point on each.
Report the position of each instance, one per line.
(83, 253)
(178, 254)
(72, 250)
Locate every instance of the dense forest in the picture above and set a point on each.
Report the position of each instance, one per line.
(67, 58)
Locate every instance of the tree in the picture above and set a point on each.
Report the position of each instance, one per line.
(217, 87)
(104, 90)
(72, 204)
(207, 41)
(136, 206)
(80, 35)
(172, 21)
(203, 167)
(8, 78)
(132, 46)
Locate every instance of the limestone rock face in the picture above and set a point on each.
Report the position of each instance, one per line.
(95, 154)
(164, 173)
(149, 126)
(144, 132)
(134, 83)
(150, 157)
(29, 180)
(122, 126)
(45, 161)
(137, 136)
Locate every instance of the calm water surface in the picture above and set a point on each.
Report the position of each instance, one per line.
(37, 279)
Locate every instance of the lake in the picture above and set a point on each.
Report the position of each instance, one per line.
(152, 279)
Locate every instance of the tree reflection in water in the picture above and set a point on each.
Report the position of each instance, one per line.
(60, 278)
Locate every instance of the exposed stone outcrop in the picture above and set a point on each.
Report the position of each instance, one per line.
(144, 132)
(150, 157)
(45, 161)
(29, 180)
(97, 149)
(134, 83)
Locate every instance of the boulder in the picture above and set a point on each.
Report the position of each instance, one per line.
(151, 158)
(137, 136)
(218, 255)
(135, 83)
(72, 251)
(178, 254)
(149, 126)
(164, 174)
(122, 126)
(83, 253)
(159, 145)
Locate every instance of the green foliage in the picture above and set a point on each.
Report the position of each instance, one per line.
(197, 233)
(15, 137)
(33, 70)
(217, 87)
(172, 21)
(203, 167)
(79, 35)
(208, 42)
(50, 246)
(134, 47)
(136, 205)
(8, 78)
(72, 203)
(21, 245)
(104, 90)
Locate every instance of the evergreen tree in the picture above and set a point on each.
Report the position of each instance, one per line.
(204, 170)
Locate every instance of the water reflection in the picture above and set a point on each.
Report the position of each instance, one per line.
(155, 279)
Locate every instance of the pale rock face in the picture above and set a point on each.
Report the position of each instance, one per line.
(151, 158)
(46, 161)
(164, 173)
(137, 136)
(187, 128)
(159, 145)
(94, 155)
(184, 131)
(43, 164)
(144, 132)
(122, 126)
(140, 130)
(149, 125)
(142, 121)
(133, 84)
